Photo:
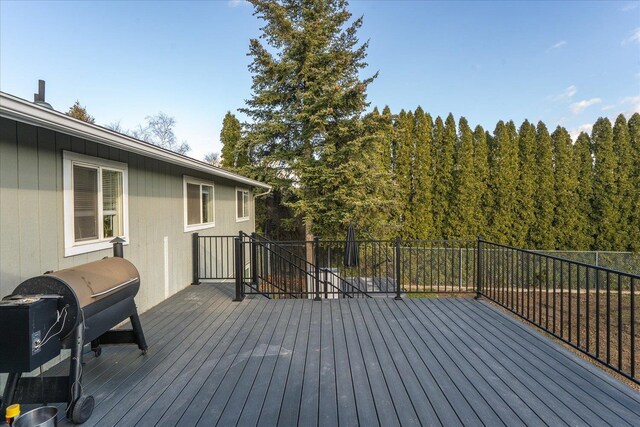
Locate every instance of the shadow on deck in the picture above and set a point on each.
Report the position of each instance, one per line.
(370, 362)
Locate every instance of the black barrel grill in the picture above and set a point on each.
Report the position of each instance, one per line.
(90, 300)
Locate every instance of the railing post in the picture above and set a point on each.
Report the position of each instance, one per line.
(398, 271)
(316, 261)
(254, 261)
(196, 259)
(239, 268)
(479, 268)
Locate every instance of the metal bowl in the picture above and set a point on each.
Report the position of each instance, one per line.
(45, 416)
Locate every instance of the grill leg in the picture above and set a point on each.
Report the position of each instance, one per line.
(138, 333)
(75, 368)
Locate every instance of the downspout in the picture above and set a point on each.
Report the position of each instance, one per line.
(263, 194)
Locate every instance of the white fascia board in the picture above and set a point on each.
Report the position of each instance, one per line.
(18, 109)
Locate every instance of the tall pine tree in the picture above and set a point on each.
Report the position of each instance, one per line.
(565, 188)
(234, 152)
(403, 170)
(481, 167)
(542, 232)
(420, 211)
(307, 98)
(503, 183)
(624, 182)
(444, 142)
(634, 140)
(525, 211)
(583, 237)
(605, 211)
(464, 200)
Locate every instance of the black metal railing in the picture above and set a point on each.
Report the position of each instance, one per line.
(591, 308)
(277, 271)
(212, 258)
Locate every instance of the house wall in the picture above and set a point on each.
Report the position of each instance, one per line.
(31, 211)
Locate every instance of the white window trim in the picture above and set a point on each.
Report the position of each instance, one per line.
(71, 247)
(195, 227)
(238, 217)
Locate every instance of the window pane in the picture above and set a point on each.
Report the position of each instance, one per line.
(207, 203)
(85, 203)
(239, 207)
(193, 204)
(246, 205)
(112, 203)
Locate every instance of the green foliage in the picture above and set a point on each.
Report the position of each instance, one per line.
(403, 165)
(565, 189)
(583, 236)
(481, 167)
(526, 187)
(624, 182)
(234, 152)
(605, 211)
(634, 142)
(420, 215)
(464, 199)
(79, 112)
(542, 233)
(444, 143)
(503, 183)
(306, 105)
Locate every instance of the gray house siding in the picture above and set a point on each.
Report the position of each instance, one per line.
(31, 211)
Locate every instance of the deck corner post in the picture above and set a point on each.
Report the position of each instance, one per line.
(254, 260)
(398, 297)
(316, 262)
(239, 273)
(196, 259)
(479, 268)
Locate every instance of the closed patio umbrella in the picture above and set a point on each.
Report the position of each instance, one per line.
(351, 248)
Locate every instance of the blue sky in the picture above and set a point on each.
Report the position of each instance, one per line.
(565, 63)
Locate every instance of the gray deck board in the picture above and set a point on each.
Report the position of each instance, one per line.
(440, 362)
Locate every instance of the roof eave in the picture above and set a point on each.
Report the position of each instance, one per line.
(24, 111)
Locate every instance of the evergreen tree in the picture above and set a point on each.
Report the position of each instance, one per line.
(542, 232)
(503, 183)
(605, 210)
(420, 214)
(634, 142)
(385, 128)
(360, 187)
(306, 103)
(79, 112)
(583, 237)
(624, 182)
(464, 201)
(444, 142)
(403, 171)
(525, 211)
(565, 187)
(481, 167)
(234, 152)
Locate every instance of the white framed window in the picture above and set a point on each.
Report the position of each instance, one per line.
(199, 204)
(95, 203)
(242, 204)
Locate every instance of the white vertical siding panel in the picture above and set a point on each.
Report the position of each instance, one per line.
(9, 233)
(47, 197)
(28, 220)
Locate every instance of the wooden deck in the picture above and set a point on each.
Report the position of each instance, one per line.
(346, 362)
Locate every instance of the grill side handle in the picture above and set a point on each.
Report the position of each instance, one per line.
(128, 282)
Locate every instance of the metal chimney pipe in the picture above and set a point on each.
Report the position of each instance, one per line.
(118, 251)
